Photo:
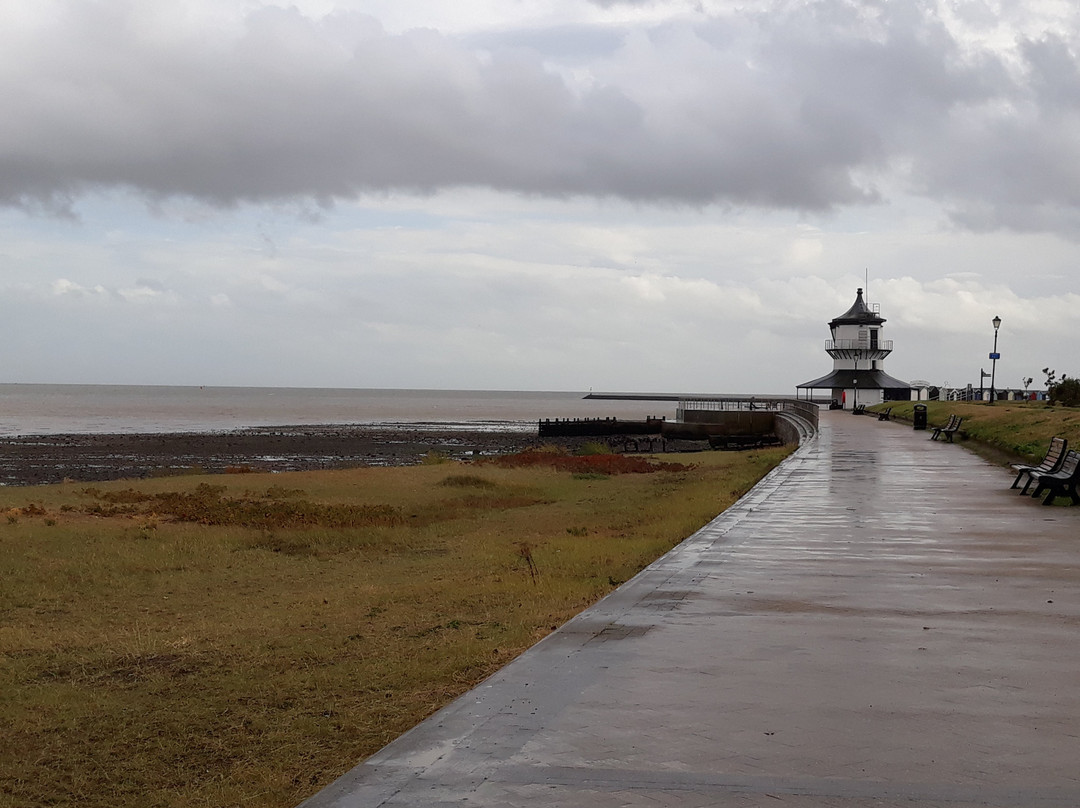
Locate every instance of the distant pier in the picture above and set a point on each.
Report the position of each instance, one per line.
(634, 397)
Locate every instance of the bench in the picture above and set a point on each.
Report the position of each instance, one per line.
(884, 414)
(1055, 456)
(858, 409)
(950, 429)
(1062, 482)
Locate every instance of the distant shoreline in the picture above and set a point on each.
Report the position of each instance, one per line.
(107, 410)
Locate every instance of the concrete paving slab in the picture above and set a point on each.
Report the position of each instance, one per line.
(880, 622)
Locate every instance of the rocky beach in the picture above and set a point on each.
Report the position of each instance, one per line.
(42, 459)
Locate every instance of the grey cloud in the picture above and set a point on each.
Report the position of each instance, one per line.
(574, 44)
(1012, 162)
(808, 107)
(614, 3)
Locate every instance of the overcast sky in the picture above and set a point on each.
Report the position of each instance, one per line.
(649, 195)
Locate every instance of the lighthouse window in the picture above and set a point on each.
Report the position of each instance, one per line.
(873, 338)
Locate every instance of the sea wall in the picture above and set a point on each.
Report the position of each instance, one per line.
(698, 426)
(596, 427)
(726, 422)
(720, 421)
(788, 431)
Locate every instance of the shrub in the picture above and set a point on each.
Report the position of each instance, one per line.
(1066, 392)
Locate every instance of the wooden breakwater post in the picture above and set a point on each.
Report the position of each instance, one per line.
(597, 427)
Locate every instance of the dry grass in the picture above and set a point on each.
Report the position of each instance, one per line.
(173, 643)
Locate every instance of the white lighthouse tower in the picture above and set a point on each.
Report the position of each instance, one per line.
(858, 350)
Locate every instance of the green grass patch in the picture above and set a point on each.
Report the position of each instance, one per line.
(1018, 429)
(169, 642)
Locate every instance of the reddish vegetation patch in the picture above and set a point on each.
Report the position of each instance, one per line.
(586, 464)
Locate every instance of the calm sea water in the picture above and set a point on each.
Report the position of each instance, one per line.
(42, 409)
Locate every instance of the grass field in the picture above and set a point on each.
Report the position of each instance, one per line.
(244, 639)
(1014, 428)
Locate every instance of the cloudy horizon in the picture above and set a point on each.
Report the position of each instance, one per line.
(638, 196)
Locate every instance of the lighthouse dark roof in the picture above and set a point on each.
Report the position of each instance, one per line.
(858, 314)
(861, 379)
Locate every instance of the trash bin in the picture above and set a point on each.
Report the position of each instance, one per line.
(918, 418)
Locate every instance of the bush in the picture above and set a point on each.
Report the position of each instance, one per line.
(1066, 392)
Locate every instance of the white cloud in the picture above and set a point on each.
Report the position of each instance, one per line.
(62, 287)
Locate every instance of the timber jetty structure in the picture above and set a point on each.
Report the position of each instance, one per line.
(725, 422)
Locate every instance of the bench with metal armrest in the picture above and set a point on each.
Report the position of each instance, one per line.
(1060, 483)
(1055, 456)
(950, 429)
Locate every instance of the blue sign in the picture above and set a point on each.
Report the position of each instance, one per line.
(995, 356)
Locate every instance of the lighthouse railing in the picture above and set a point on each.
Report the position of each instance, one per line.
(858, 345)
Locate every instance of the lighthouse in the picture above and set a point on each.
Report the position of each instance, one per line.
(858, 350)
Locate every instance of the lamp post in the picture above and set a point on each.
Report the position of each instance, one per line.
(994, 357)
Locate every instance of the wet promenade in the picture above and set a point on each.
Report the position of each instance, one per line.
(881, 622)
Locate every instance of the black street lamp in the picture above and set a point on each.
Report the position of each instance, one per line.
(994, 357)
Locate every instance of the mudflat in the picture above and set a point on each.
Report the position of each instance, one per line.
(41, 459)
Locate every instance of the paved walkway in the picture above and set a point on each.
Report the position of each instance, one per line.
(881, 622)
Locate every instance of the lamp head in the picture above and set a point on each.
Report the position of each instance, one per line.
(997, 323)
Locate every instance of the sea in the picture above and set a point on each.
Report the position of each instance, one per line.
(50, 409)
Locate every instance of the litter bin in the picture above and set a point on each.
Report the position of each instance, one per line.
(918, 418)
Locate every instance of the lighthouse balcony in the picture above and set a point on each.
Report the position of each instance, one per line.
(858, 349)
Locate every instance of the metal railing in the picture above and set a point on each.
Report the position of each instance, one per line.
(858, 345)
(806, 410)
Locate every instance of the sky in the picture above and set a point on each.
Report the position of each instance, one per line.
(607, 195)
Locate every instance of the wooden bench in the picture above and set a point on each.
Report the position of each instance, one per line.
(1055, 456)
(950, 429)
(1062, 482)
(884, 414)
(858, 409)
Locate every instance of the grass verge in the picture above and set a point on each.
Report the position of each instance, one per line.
(1017, 429)
(173, 643)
